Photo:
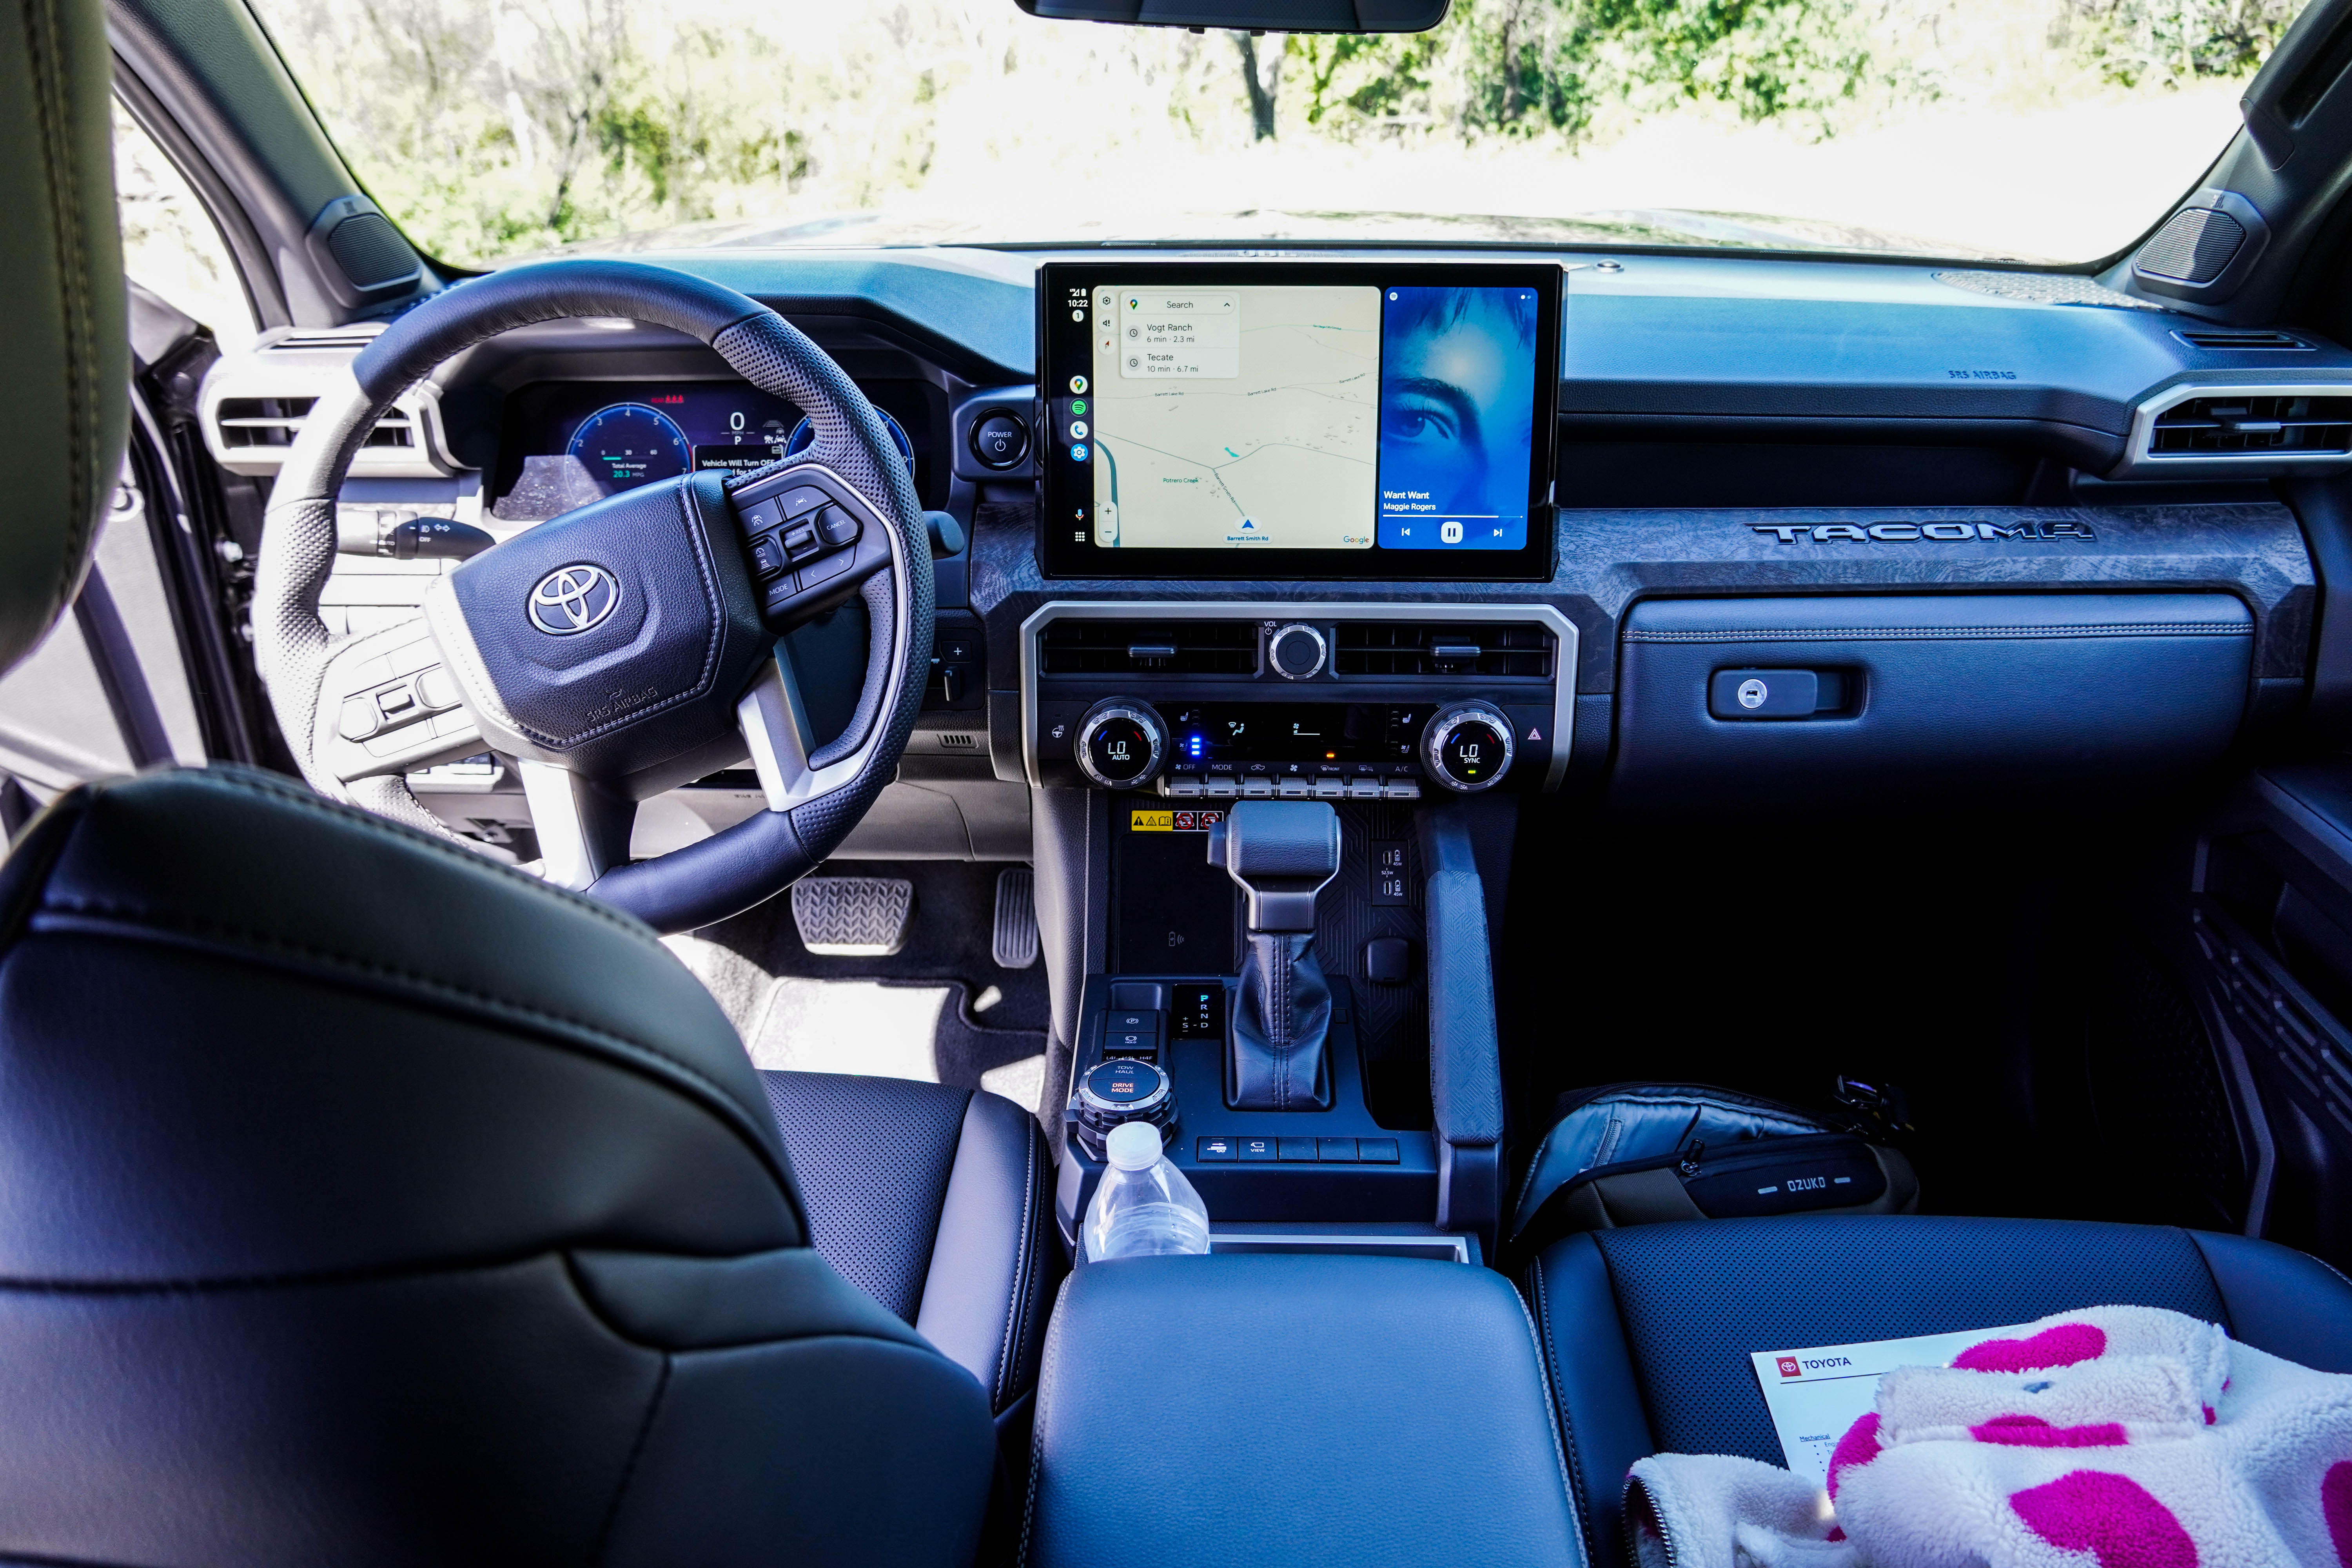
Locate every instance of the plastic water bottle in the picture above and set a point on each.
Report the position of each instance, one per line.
(1144, 1206)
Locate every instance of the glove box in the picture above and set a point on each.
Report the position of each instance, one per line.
(1875, 700)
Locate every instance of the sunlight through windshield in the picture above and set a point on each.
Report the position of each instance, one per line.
(2033, 130)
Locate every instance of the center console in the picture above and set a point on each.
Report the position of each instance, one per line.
(1297, 806)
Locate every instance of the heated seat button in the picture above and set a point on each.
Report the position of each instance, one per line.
(1336, 1150)
(1295, 1150)
(1377, 1151)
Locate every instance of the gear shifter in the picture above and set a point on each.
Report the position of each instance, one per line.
(1280, 854)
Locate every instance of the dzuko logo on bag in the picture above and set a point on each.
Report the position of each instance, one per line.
(1789, 1367)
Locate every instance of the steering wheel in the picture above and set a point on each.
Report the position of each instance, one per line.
(631, 646)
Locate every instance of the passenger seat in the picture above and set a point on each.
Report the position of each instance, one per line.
(1646, 1331)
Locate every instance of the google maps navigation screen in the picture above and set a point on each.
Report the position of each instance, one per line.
(1343, 421)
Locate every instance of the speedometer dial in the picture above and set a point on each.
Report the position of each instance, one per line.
(630, 443)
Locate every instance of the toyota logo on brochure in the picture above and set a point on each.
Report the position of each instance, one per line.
(1789, 1367)
(573, 598)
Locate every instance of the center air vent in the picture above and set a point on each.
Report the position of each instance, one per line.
(1477, 647)
(2227, 427)
(1149, 648)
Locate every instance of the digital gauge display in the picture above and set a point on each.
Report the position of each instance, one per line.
(628, 445)
(571, 444)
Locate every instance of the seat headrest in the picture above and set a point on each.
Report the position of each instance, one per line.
(63, 335)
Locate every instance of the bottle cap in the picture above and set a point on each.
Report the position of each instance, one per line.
(1132, 1146)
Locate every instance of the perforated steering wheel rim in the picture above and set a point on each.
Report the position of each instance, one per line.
(814, 794)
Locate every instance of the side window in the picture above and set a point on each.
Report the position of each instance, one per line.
(170, 245)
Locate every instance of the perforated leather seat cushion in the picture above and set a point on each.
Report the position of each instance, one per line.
(930, 1199)
(1647, 1330)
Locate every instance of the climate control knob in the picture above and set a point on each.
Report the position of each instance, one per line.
(1466, 746)
(1297, 651)
(1121, 744)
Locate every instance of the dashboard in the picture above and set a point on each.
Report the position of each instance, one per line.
(1719, 428)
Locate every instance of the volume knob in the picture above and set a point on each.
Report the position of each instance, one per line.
(1466, 746)
(1297, 651)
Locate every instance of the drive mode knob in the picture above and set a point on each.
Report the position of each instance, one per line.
(1120, 1090)
(1121, 744)
(1468, 746)
(1297, 651)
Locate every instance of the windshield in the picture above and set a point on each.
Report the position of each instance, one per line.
(2049, 131)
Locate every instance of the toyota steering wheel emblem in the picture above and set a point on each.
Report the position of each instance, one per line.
(573, 598)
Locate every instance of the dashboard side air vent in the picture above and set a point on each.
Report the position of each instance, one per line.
(348, 341)
(2218, 339)
(1149, 648)
(1477, 647)
(272, 422)
(2224, 426)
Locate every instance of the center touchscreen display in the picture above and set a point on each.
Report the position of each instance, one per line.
(1345, 421)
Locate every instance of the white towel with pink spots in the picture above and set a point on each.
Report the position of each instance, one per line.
(2112, 1437)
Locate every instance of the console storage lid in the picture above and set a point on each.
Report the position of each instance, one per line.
(1341, 1410)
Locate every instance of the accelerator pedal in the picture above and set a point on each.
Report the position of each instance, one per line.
(1016, 918)
(853, 917)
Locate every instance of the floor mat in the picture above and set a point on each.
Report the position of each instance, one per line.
(940, 1009)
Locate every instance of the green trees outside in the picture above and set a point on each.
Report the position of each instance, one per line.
(520, 125)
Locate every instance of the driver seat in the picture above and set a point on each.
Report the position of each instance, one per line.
(363, 1201)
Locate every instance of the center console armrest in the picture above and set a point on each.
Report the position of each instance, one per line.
(1291, 1409)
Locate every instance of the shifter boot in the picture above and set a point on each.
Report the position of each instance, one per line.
(1278, 1060)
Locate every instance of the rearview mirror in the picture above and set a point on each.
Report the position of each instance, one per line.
(1252, 15)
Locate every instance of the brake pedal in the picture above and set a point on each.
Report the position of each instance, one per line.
(1016, 918)
(853, 917)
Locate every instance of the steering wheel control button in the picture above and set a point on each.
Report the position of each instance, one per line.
(359, 719)
(1297, 652)
(767, 556)
(806, 499)
(1764, 694)
(573, 599)
(999, 439)
(825, 569)
(1121, 744)
(836, 527)
(1468, 746)
(800, 544)
(437, 688)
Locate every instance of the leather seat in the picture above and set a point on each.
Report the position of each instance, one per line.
(362, 1201)
(1647, 1331)
(932, 1200)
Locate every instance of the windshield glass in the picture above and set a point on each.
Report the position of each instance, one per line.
(2029, 129)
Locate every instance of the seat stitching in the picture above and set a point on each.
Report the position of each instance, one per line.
(1559, 1411)
(43, 41)
(1014, 1308)
(136, 916)
(1551, 1414)
(237, 780)
(629, 1469)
